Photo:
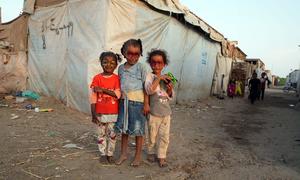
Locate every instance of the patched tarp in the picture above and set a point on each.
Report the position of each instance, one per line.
(66, 39)
(13, 71)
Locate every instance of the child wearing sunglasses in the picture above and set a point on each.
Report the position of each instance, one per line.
(159, 87)
(134, 102)
(105, 92)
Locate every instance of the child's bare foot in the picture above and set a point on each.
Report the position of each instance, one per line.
(136, 162)
(151, 157)
(121, 160)
(110, 159)
(162, 162)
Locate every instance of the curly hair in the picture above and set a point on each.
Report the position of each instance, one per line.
(159, 52)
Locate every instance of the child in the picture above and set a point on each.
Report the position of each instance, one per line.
(254, 86)
(238, 88)
(131, 120)
(104, 104)
(160, 91)
(231, 89)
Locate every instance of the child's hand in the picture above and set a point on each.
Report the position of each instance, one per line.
(95, 119)
(165, 78)
(98, 89)
(146, 109)
(170, 89)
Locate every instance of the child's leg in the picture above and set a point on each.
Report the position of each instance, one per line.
(124, 144)
(153, 126)
(111, 137)
(138, 152)
(101, 131)
(164, 133)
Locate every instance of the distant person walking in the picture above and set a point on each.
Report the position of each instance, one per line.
(254, 86)
(263, 81)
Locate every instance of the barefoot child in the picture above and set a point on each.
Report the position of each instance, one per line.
(131, 120)
(105, 92)
(160, 91)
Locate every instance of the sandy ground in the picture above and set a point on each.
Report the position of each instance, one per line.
(210, 139)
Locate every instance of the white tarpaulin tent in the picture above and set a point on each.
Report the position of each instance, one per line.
(221, 75)
(65, 41)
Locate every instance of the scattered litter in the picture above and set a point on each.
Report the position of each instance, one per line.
(291, 105)
(14, 116)
(108, 165)
(20, 99)
(67, 141)
(4, 105)
(30, 106)
(36, 109)
(30, 94)
(216, 107)
(140, 176)
(57, 168)
(84, 136)
(46, 110)
(19, 93)
(8, 97)
(72, 146)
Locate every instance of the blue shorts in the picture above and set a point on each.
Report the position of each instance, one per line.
(136, 118)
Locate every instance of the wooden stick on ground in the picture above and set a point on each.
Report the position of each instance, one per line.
(30, 173)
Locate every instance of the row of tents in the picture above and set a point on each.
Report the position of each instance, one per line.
(53, 47)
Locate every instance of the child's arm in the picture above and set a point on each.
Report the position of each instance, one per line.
(105, 91)
(151, 89)
(93, 100)
(93, 111)
(146, 109)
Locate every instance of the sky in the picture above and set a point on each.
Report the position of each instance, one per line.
(265, 29)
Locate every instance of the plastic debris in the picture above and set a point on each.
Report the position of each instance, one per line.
(8, 97)
(46, 110)
(72, 146)
(4, 105)
(30, 106)
(14, 116)
(20, 99)
(30, 94)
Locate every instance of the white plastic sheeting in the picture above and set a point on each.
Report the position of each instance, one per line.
(222, 74)
(65, 42)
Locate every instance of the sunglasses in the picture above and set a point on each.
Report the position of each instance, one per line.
(133, 54)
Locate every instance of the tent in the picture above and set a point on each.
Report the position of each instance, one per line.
(65, 41)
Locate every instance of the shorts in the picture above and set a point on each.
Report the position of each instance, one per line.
(136, 119)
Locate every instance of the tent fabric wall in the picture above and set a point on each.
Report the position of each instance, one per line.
(184, 46)
(66, 40)
(221, 75)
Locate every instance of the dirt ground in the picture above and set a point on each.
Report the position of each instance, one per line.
(210, 139)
